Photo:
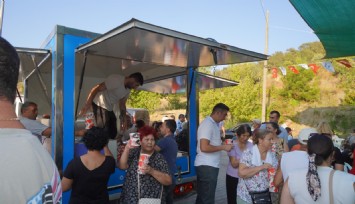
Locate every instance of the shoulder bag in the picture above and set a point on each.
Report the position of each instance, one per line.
(148, 200)
(260, 197)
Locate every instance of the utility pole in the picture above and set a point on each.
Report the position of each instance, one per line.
(1, 14)
(263, 108)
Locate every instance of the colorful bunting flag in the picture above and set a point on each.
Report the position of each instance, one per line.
(304, 66)
(314, 68)
(274, 72)
(344, 62)
(293, 69)
(328, 66)
(283, 70)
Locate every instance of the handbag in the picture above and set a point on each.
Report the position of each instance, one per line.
(148, 200)
(260, 197)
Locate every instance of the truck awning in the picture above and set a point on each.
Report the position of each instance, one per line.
(333, 22)
(177, 84)
(162, 55)
(154, 51)
(36, 71)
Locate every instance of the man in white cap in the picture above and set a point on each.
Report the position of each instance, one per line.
(295, 160)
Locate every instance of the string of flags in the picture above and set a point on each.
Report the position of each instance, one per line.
(314, 67)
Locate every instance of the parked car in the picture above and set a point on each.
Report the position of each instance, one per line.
(231, 132)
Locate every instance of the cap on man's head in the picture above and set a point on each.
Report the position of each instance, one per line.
(257, 121)
(303, 136)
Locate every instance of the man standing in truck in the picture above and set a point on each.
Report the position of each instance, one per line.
(102, 98)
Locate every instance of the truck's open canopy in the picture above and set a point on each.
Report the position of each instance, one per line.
(154, 51)
(158, 53)
(178, 84)
(36, 72)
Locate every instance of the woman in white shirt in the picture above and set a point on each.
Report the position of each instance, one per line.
(312, 185)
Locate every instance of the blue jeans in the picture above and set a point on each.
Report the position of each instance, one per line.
(206, 184)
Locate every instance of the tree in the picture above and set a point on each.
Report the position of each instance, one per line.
(144, 99)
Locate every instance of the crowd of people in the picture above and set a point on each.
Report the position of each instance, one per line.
(266, 171)
(263, 165)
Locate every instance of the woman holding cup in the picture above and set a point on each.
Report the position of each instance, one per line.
(240, 145)
(253, 169)
(147, 170)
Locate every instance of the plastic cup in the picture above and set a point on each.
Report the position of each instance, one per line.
(143, 160)
(228, 141)
(134, 139)
(89, 120)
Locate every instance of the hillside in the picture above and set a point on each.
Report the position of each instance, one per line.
(303, 99)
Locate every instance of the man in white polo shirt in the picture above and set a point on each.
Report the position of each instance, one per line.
(209, 147)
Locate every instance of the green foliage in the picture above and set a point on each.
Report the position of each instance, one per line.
(243, 100)
(175, 101)
(144, 99)
(300, 87)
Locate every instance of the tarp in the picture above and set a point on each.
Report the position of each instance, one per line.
(333, 22)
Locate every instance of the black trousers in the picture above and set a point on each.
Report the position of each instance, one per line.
(105, 119)
(231, 186)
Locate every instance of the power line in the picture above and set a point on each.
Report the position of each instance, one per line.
(291, 29)
(262, 8)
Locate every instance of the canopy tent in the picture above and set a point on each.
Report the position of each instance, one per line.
(333, 22)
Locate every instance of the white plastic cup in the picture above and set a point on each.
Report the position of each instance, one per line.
(134, 139)
(228, 141)
(89, 120)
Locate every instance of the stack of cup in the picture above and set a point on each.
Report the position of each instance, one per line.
(143, 161)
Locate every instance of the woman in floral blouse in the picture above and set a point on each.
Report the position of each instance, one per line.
(254, 165)
(278, 148)
(154, 174)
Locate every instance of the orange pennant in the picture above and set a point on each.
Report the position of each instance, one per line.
(314, 68)
(293, 69)
(274, 72)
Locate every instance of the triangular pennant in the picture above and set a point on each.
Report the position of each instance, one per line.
(274, 72)
(344, 62)
(328, 66)
(293, 69)
(283, 70)
(314, 68)
(304, 66)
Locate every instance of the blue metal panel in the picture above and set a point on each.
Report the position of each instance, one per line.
(193, 116)
(70, 43)
(182, 163)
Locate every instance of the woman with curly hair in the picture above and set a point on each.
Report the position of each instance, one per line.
(88, 174)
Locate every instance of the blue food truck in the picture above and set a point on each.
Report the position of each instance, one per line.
(59, 76)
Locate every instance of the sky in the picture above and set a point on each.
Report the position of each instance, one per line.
(239, 23)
